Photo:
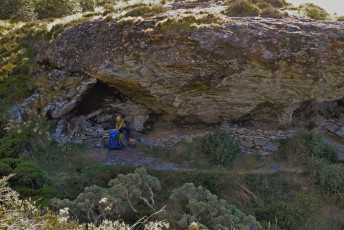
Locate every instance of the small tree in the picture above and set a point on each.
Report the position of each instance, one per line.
(136, 186)
(95, 205)
(201, 206)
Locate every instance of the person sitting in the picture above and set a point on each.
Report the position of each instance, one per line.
(122, 125)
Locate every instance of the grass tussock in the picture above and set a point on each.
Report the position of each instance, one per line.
(145, 11)
(255, 8)
(313, 11)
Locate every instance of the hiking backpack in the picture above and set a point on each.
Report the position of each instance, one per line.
(113, 141)
(117, 140)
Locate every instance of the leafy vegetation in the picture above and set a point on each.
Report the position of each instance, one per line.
(329, 178)
(253, 8)
(29, 179)
(313, 11)
(201, 206)
(242, 8)
(145, 11)
(220, 147)
(16, 213)
(317, 158)
(292, 216)
(307, 144)
(98, 195)
(271, 12)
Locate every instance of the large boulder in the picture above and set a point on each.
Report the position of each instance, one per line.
(208, 68)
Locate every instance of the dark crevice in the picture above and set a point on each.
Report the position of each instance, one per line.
(96, 98)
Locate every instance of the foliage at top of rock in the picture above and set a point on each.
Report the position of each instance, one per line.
(313, 11)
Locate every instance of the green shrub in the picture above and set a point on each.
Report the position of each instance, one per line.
(87, 5)
(18, 9)
(5, 169)
(15, 88)
(276, 3)
(12, 145)
(264, 5)
(304, 212)
(56, 8)
(13, 163)
(136, 187)
(7, 165)
(28, 175)
(242, 8)
(340, 19)
(313, 11)
(271, 13)
(201, 206)
(308, 144)
(96, 200)
(220, 147)
(29, 179)
(329, 178)
(145, 11)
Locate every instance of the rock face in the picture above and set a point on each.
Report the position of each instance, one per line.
(226, 70)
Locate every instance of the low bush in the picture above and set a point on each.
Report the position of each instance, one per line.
(145, 11)
(28, 175)
(12, 145)
(306, 144)
(18, 10)
(5, 169)
(305, 211)
(264, 5)
(220, 147)
(14, 89)
(16, 213)
(56, 8)
(201, 206)
(11, 162)
(87, 5)
(29, 179)
(241, 8)
(275, 3)
(271, 12)
(329, 178)
(340, 19)
(313, 11)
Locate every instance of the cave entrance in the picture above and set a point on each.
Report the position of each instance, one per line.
(96, 98)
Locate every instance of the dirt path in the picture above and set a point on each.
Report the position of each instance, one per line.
(132, 157)
(129, 156)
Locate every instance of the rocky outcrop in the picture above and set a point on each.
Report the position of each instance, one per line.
(208, 68)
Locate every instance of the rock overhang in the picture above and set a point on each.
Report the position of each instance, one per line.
(218, 72)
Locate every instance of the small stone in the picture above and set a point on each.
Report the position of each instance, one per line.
(271, 146)
(260, 142)
(340, 131)
(247, 144)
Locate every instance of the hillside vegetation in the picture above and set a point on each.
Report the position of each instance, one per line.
(48, 185)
